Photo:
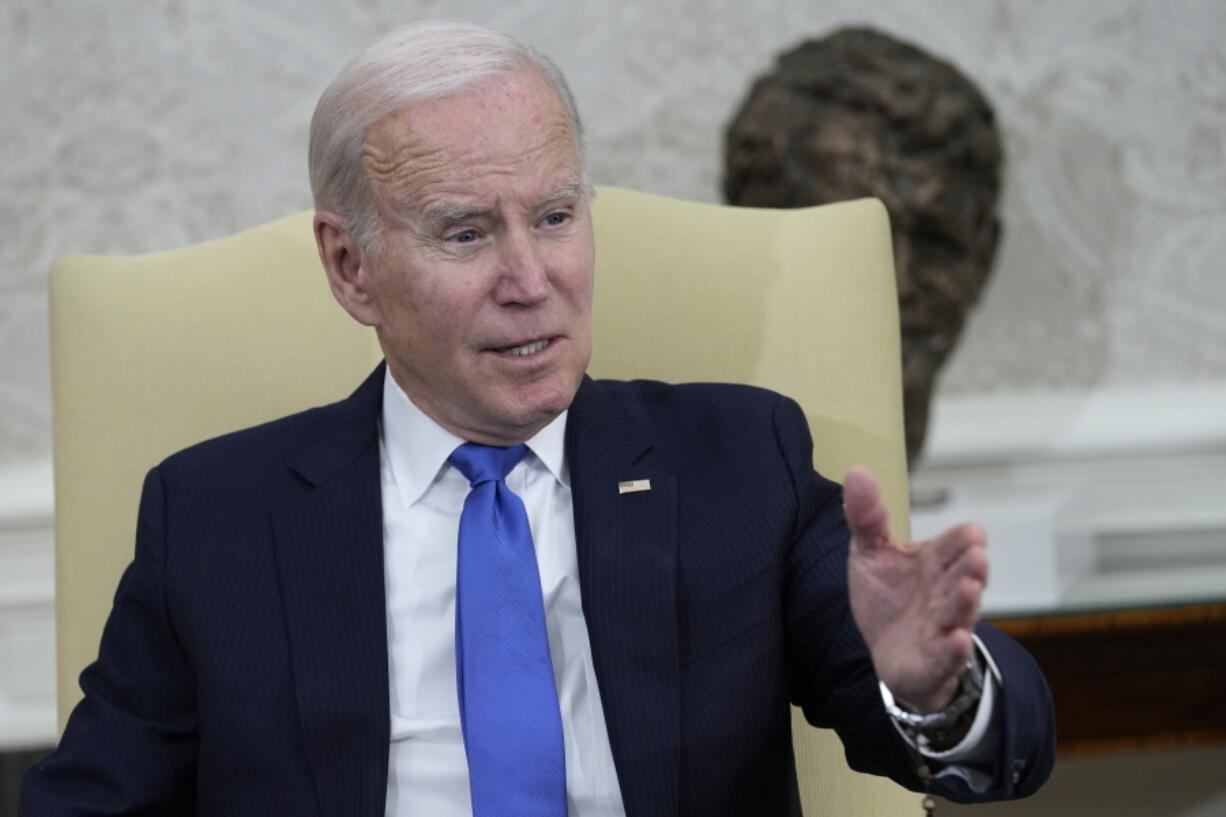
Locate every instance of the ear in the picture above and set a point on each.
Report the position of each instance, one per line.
(345, 264)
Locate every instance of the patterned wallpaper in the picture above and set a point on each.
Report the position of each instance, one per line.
(135, 125)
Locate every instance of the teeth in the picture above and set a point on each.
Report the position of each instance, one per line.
(528, 348)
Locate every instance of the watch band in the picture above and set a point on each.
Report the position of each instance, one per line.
(970, 689)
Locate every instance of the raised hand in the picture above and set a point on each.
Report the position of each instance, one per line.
(916, 605)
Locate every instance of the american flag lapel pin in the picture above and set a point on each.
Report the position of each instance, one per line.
(634, 486)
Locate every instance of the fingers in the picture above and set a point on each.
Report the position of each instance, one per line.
(958, 590)
(959, 608)
(967, 556)
(951, 544)
(953, 651)
(865, 509)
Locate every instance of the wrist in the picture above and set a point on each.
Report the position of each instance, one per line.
(935, 702)
(935, 729)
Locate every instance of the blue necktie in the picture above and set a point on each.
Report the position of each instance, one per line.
(508, 700)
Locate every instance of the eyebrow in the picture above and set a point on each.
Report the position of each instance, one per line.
(445, 213)
(442, 215)
(573, 189)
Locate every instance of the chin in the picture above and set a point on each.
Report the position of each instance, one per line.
(540, 403)
(545, 407)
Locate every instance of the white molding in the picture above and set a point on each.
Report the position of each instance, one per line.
(26, 494)
(1061, 425)
(27, 606)
(1112, 498)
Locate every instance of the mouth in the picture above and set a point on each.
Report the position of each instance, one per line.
(534, 347)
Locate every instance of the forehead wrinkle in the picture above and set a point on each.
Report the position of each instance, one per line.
(463, 166)
(401, 165)
(409, 172)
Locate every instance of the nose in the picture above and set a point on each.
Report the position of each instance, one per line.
(523, 276)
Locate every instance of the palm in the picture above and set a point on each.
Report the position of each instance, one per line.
(915, 606)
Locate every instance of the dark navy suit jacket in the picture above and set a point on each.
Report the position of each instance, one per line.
(243, 669)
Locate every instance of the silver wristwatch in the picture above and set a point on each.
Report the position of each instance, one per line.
(970, 689)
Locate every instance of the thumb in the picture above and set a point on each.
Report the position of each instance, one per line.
(865, 509)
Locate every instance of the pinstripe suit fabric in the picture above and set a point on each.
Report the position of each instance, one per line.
(243, 670)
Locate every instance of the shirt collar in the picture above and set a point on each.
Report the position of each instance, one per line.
(417, 448)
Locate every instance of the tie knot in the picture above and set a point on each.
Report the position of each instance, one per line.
(486, 463)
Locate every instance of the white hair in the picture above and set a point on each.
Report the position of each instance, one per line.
(421, 61)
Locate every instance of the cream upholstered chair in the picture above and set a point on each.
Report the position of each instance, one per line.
(155, 352)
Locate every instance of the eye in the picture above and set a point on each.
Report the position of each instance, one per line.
(464, 237)
(556, 219)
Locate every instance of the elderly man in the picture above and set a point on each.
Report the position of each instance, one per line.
(486, 584)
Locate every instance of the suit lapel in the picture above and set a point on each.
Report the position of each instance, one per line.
(627, 550)
(329, 546)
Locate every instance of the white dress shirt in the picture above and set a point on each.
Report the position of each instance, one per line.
(423, 496)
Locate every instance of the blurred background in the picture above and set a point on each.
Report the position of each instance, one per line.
(1081, 417)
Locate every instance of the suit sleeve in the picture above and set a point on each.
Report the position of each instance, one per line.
(130, 745)
(831, 675)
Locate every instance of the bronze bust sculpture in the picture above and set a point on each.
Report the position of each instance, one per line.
(858, 113)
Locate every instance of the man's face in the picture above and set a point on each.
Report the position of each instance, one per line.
(480, 283)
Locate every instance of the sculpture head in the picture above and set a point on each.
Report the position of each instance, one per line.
(858, 113)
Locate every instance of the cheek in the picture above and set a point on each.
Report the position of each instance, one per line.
(448, 320)
(578, 281)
